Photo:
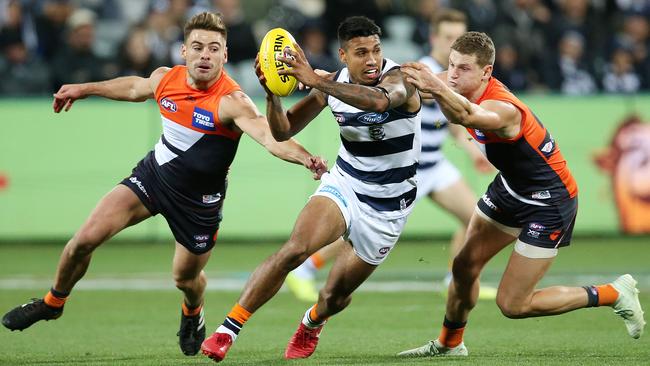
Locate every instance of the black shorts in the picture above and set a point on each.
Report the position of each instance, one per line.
(549, 226)
(193, 218)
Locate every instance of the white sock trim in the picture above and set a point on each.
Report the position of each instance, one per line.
(223, 329)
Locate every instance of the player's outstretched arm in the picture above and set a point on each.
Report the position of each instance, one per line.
(491, 115)
(240, 109)
(128, 88)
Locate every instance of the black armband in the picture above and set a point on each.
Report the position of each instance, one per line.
(383, 90)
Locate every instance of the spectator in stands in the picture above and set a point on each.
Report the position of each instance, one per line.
(21, 73)
(242, 44)
(568, 73)
(136, 57)
(314, 42)
(620, 76)
(508, 70)
(76, 62)
(50, 23)
(635, 36)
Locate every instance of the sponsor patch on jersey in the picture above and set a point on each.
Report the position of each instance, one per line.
(168, 104)
(203, 119)
(373, 117)
(480, 136)
(384, 250)
(340, 119)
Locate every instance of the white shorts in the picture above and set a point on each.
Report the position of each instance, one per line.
(436, 178)
(372, 237)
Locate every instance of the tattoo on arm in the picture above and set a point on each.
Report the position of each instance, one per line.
(360, 96)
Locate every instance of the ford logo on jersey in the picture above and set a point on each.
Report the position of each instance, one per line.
(168, 104)
(202, 119)
(373, 117)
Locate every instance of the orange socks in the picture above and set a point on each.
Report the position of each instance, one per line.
(607, 295)
(55, 299)
(451, 334)
(317, 260)
(603, 295)
(239, 314)
(191, 311)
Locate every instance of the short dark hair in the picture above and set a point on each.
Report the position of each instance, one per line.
(205, 21)
(478, 44)
(447, 15)
(357, 26)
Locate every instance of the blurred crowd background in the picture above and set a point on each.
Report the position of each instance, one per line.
(575, 47)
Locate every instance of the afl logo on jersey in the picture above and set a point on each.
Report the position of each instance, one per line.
(373, 117)
(168, 104)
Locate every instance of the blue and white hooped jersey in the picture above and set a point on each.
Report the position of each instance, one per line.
(434, 126)
(379, 153)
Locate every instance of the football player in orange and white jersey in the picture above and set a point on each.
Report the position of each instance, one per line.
(532, 201)
(204, 113)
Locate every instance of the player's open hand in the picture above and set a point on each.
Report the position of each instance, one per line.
(421, 76)
(298, 66)
(66, 95)
(317, 165)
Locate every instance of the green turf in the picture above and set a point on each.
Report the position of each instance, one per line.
(109, 327)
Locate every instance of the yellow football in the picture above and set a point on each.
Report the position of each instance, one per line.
(275, 43)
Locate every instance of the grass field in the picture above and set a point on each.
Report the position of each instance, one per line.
(125, 311)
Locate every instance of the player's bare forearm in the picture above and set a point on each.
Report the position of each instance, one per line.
(127, 88)
(278, 122)
(454, 106)
(366, 98)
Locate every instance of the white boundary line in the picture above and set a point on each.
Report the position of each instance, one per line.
(230, 284)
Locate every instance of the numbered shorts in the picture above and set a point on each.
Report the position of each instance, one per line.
(372, 236)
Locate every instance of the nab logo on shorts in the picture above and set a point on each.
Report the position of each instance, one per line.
(203, 119)
(168, 105)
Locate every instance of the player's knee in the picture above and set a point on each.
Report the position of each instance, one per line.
(465, 267)
(292, 255)
(184, 283)
(83, 243)
(511, 309)
(335, 302)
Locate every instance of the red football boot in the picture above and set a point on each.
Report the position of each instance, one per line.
(303, 343)
(217, 346)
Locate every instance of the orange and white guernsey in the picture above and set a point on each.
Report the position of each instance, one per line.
(195, 150)
(531, 163)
